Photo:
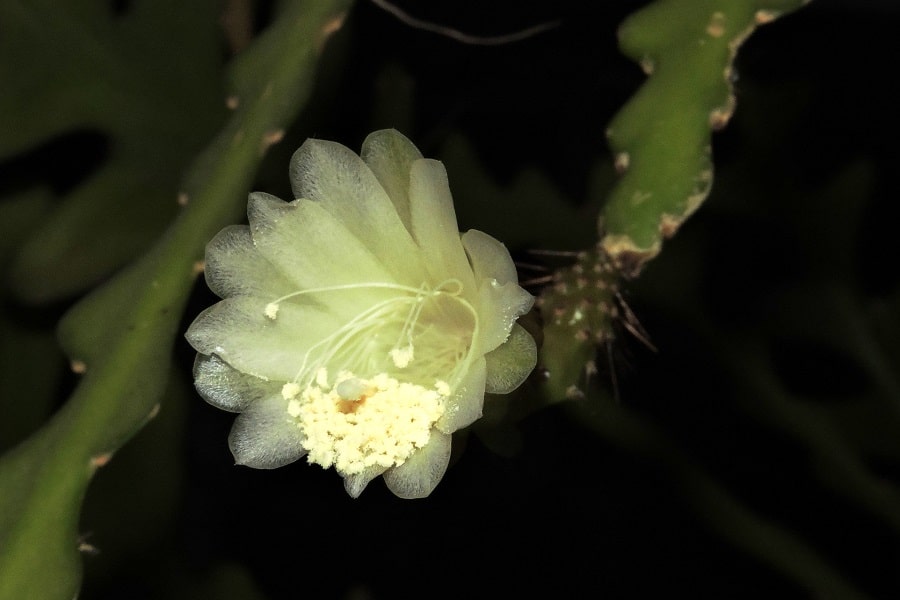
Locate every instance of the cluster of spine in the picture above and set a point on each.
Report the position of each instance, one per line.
(580, 308)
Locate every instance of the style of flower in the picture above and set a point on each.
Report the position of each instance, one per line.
(358, 328)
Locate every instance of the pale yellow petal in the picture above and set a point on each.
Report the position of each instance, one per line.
(499, 306)
(501, 300)
(226, 387)
(434, 224)
(264, 437)
(510, 364)
(338, 179)
(315, 250)
(390, 155)
(355, 484)
(465, 405)
(420, 474)
(490, 259)
(239, 332)
(234, 267)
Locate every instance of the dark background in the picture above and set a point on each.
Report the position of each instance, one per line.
(774, 311)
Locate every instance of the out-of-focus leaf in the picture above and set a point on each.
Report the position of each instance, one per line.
(30, 360)
(78, 66)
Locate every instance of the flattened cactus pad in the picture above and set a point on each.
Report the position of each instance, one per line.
(358, 328)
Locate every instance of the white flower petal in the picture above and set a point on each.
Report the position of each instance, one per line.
(265, 437)
(390, 155)
(490, 259)
(510, 364)
(239, 332)
(314, 250)
(499, 295)
(420, 474)
(346, 187)
(434, 224)
(234, 266)
(227, 388)
(355, 484)
(465, 405)
(504, 304)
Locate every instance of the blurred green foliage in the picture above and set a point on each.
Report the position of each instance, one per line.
(120, 336)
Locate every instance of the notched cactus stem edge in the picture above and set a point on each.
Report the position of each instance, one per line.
(661, 139)
(661, 144)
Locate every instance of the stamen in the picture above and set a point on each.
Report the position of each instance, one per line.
(402, 356)
(290, 390)
(271, 309)
(357, 345)
(356, 325)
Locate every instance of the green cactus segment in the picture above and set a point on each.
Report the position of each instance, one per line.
(579, 310)
(121, 335)
(661, 137)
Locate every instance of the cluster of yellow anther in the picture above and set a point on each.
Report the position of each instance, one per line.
(354, 424)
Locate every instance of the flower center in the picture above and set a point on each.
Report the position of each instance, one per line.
(356, 424)
(396, 363)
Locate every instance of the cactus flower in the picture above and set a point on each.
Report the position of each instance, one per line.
(358, 328)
